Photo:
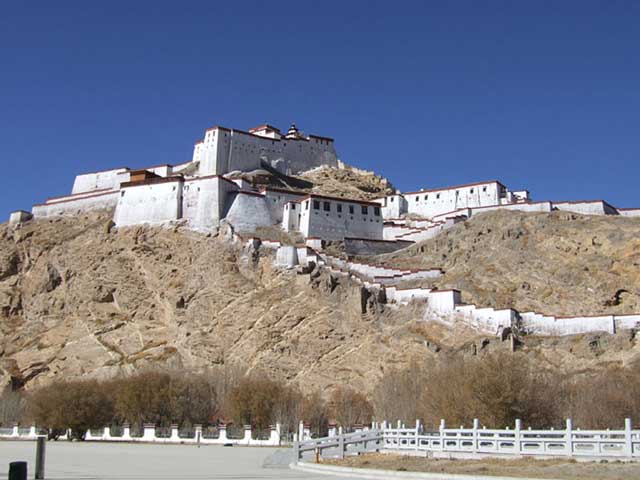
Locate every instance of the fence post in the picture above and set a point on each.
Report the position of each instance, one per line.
(628, 440)
(340, 442)
(476, 425)
(198, 433)
(296, 449)
(16, 430)
(222, 435)
(441, 430)
(569, 437)
(41, 444)
(417, 434)
(247, 435)
(126, 432)
(517, 436)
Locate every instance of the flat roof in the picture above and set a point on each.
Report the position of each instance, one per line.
(453, 187)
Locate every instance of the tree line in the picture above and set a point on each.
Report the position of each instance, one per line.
(164, 398)
(496, 388)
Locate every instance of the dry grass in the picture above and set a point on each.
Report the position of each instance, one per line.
(526, 467)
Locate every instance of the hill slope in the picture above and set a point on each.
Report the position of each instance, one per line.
(559, 263)
(80, 298)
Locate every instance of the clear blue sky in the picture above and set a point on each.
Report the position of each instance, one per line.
(542, 95)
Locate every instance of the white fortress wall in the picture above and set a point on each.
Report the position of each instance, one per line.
(627, 321)
(405, 295)
(429, 203)
(334, 219)
(248, 211)
(277, 199)
(444, 301)
(587, 207)
(224, 150)
(153, 201)
(550, 325)
(76, 205)
(392, 206)
(291, 217)
(106, 179)
(287, 256)
(205, 199)
(629, 212)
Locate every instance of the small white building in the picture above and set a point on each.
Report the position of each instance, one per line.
(429, 203)
(333, 218)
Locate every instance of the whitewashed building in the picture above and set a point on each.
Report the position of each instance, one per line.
(333, 218)
(212, 187)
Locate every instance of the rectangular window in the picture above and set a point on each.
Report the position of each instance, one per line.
(392, 199)
(293, 206)
(365, 210)
(327, 206)
(306, 205)
(472, 190)
(484, 189)
(425, 197)
(376, 211)
(316, 204)
(351, 209)
(339, 208)
(438, 195)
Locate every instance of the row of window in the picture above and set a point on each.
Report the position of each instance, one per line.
(326, 206)
(426, 197)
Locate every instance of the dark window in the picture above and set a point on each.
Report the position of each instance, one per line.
(484, 189)
(316, 205)
(339, 208)
(472, 190)
(293, 206)
(327, 206)
(392, 199)
(365, 210)
(417, 199)
(425, 197)
(376, 211)
(438, 196)
(351, 209)
(306, 205)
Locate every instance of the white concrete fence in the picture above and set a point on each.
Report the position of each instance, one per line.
(151, 434)
(477, 442)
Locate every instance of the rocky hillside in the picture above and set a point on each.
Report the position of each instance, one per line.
(348, 183)
(81, 298)
(559, 263)
(344, 182)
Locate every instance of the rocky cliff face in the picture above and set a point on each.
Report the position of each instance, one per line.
(81, 298)
(78, 297)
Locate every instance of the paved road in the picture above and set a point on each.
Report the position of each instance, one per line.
(98, 461)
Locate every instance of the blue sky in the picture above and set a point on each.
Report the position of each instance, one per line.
(541, 95)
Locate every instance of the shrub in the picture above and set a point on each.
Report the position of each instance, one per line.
(78, 405)
(350, 407)
(253, 401)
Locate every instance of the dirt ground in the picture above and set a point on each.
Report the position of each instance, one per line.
(527, 467)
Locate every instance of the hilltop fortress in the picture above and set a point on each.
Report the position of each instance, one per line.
(225, 181)
(229, 181)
